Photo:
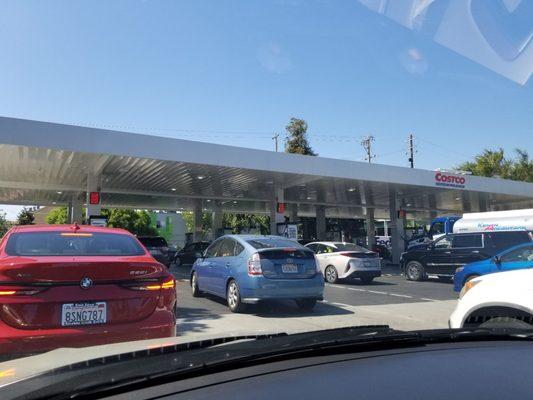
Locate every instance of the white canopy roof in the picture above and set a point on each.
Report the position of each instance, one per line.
(47, 163)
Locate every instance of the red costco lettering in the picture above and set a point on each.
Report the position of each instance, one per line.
(458, 180)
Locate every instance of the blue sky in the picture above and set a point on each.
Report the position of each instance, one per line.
(234, 72)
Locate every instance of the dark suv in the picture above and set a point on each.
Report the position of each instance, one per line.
(449, 252)
(158, 248)
(190, 253)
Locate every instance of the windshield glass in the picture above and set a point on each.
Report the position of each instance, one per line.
(71, 244)
(266, 243)
(183, 170)
(349, 247)
(153, 242)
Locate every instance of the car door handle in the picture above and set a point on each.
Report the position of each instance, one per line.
(447, 252)
(475, 251)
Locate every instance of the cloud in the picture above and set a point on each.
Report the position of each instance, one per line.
(274, 59)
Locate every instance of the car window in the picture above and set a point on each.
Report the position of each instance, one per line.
(313, 247)
(323, 248)
(521, 254)
(349, 247)
(272, 242)
(437, 228)
(238, 248)
(153, 241)
(444, 243)
(505, 240)
(188, 248)
(72, 244)
(466, 241)
(212, 250)
(226, 248)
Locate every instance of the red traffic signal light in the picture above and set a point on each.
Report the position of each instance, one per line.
(94, 198)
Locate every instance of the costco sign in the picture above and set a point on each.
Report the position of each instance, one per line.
(453, 181)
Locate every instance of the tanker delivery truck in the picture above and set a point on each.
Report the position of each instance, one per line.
(497, 221)
(512, 220)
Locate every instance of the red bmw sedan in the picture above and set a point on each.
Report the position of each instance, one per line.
(76, 286)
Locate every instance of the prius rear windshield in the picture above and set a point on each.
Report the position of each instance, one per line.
(267, 243)
(349, 247)
(72, 244)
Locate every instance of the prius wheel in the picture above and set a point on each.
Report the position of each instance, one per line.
(233, 297)
(306, 304)
(414, 271)
(331, 275)
(194, 285)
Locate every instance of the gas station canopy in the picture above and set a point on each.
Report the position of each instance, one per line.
(46, 163)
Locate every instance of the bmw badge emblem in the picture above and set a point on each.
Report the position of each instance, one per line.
(86, 283)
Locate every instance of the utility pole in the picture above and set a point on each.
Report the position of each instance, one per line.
(275, 138)
(367, 144)
(411, 150)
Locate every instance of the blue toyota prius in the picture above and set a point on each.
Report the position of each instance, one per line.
(517, 257)
(245, 269)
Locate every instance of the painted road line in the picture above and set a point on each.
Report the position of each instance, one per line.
(400, 295)
(340, 305)
(426, 299)
(376, 292)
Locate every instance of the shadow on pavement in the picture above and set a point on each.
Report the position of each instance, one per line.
(181, 272)
(443, 280)
(289, 309)
(190, 319)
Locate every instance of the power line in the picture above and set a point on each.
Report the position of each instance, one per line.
(389, 153)
(448, 150)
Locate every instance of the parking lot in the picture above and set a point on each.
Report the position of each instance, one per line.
(390, 299)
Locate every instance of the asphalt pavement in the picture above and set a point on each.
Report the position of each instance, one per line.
(390, 299)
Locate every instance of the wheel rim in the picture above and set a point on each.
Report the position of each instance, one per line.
(331, 274)
(194, 283)
(413, 271)
(233, 294)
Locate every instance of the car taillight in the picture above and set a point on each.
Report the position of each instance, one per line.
(20, 291)
(168, 284)
(254, 265)
(346, 254)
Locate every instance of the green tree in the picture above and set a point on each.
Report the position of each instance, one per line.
(522, 167)
(244, 222)
(57, 215)
(296, 139)
(25, 216)
(493, 163)
(137, 222)
(4, 225)
(188, 217)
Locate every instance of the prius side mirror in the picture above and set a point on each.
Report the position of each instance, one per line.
(497, 260)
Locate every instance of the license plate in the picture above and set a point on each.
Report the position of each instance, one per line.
(368, 263)
(73, 314)
(289, 268)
